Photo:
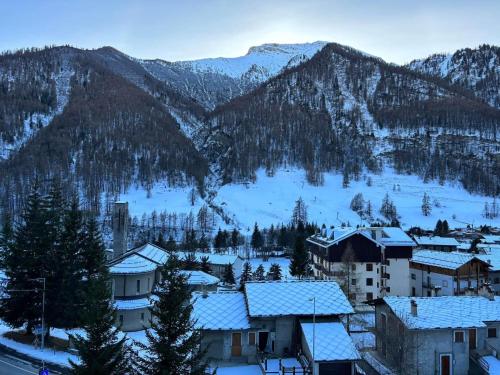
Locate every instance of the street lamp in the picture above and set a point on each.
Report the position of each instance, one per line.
(313, 299)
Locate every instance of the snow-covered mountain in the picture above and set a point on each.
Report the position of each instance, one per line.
(477, 70)
(215, 81)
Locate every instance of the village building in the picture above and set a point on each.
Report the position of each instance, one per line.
(273, 318)
(446, 273)
(493, 259)
(367, 262)
(437, 243)
(438, 335)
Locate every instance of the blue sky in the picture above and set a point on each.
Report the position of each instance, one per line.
(396, 30)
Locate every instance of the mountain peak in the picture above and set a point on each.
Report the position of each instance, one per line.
(285, 48)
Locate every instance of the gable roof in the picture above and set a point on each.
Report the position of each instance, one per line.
(436, 241)
(338, 235)
(200, 278)
(132, 264)
(394, 236)
(331, 342)
(220, 311)
(294, 297)
(449, 260)
(446, 311)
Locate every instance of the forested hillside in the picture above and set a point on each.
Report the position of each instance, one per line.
(101, 121)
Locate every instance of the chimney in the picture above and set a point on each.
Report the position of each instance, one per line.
(413, 307)
(323, 231)
(204, 289)
(120, 228)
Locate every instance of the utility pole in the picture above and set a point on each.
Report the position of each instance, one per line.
(42, 279)
(313, 299)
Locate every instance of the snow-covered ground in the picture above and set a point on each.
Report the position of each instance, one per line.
(270, 200)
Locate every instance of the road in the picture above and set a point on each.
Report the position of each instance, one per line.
(11, 365)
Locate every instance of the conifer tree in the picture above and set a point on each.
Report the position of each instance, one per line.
(439, 228)
(299, 265)
(257, 240)
(259, 273)
(299, 212)
(246, 275)
(100, 350)
(205, 265)
(445, 228)
(426, 205)
(275, 272)
(173, 342)
(171, 245)
(24, 262)
(235, 238)
(229, 275)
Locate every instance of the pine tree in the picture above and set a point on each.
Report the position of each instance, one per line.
(70, 253)
(189, 262)
(246, 275)
(235, 238)
(345, 179)
(6, 238)
(203, 243)
(357, 203)
(388, 209)
(160, 241)
(439, 228)
(259, 273)
(173, 342)
(100, 350)
(368, 209)
(275, 272)
(299, 212)
(171, 246)
(426, 205)
(229, 275)
(205, 265)
(445, 229)
(257, 240)
(24, 262)
(299, 265)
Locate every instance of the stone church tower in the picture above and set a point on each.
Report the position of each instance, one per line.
(120, 228)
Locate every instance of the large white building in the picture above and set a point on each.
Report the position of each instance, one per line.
(367, 262)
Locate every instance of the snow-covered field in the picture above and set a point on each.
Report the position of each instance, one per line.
(271, 200)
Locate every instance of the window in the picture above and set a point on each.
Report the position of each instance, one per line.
(251, 338)
(142, 317)
(369, 296)
(353, 282)
(369, 266)
(459, 336)
(387, 275)
(138, 286)
(120, 318)
(388, 262)
(445, 283)
(413, 292)
(369, 281)
(388, 289)
(492, 333)
(149, 283)
(413, 276)
(353, 267)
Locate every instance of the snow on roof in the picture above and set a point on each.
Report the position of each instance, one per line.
(331, 342)
(200, 278)
(220, 311)
(153, 253)
(132, 304)
(294, 297)
(393, 236)
(450, 260)
(490, 238)
(132, 264)
(436, 241)
(336, 235)
(446, 311)
(493, 259)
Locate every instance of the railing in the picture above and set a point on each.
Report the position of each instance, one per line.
(476, 358)
(492, 349)
(262, 360)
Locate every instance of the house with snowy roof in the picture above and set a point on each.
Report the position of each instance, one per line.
(438, 335)
(446, 273)
(134, 277)
(368, 262)
(437, 243)
(275, 318)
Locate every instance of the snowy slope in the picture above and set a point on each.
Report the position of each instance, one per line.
(260, 63)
